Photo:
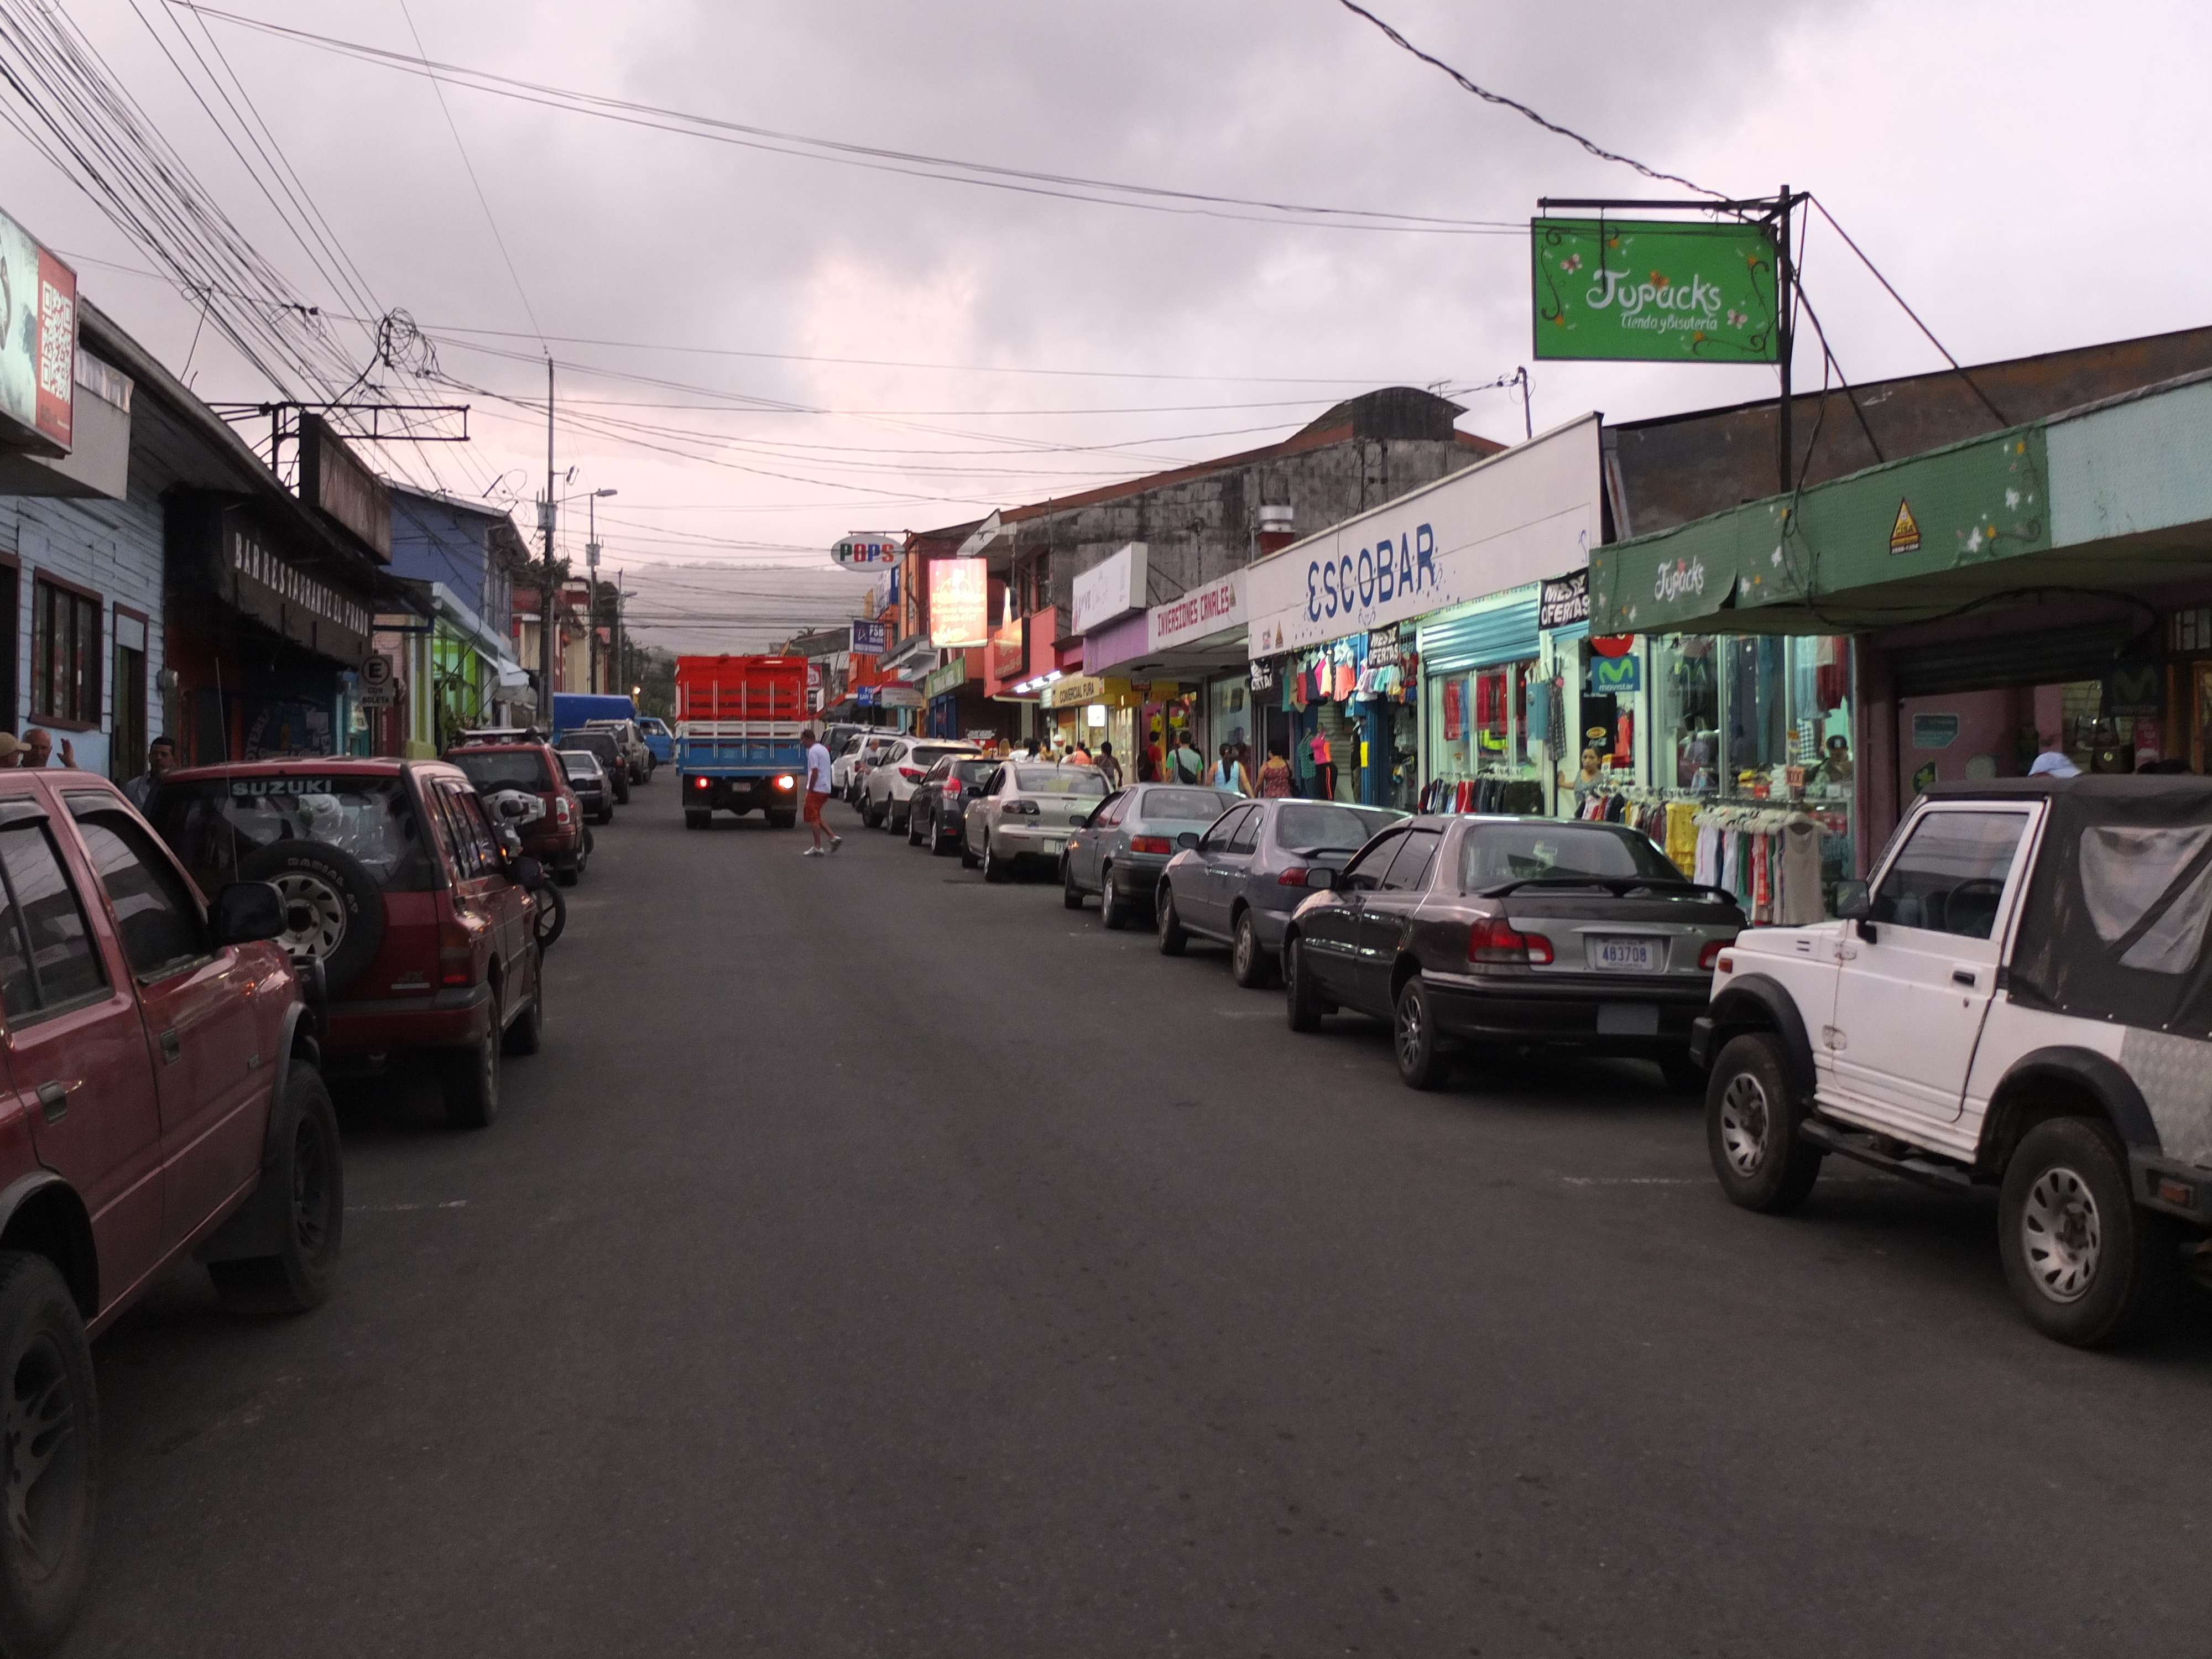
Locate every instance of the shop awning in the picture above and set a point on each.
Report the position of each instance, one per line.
(2113, 496)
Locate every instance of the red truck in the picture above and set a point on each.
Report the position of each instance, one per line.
(738, 721)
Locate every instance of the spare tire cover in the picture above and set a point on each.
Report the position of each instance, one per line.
(332, 909)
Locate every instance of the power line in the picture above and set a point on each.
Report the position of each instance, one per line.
(1514, 104)
(910, 163)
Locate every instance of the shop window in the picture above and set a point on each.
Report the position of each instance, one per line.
(64, 654)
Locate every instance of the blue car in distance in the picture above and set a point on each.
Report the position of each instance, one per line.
(1120, 849)
(658, 738)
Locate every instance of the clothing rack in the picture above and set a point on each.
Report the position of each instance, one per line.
(1768, 856)
(1522, 797)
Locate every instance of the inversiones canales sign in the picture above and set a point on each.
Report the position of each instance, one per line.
(1639, 290)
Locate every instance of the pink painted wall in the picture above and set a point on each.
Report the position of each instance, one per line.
(1989, 724)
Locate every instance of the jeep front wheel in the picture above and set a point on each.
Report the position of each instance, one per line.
(2084, 1263)
(1751, 1128)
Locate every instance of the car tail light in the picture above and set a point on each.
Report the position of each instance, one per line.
(784, 782)
(1493, 939)
(560, 808)
(952, 787)
(1710, 956)
(1025, 809)
(1150, 844)
(912, 773)
(456, 955)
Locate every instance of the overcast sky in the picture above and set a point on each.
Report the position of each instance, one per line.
(1984, 154)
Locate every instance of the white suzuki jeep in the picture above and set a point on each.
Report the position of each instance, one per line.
(2021, 997)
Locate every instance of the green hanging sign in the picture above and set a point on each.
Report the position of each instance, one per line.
(1637, 290)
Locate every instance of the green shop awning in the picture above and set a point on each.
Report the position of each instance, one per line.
(2107, 497)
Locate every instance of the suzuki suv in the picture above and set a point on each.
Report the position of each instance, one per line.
(514, 760)
(395, 882)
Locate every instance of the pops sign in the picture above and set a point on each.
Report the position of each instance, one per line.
(868, 549)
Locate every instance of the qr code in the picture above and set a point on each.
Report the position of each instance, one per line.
(56, 342)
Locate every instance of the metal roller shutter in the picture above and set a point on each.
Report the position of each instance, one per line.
(2070, 654)
(1507, 634)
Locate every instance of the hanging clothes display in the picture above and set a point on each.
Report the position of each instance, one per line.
(1769, 857)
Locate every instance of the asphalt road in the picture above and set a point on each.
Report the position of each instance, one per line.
(876, 1263)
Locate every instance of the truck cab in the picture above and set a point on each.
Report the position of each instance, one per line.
(2020, 997)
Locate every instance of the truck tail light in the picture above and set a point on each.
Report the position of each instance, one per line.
(1711, 954)
(1492, 940)
(1150, 844)
(456, 955)
(699, 783)
(783, 782)
(912, 774)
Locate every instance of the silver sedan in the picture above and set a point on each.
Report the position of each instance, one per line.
(1027, 809)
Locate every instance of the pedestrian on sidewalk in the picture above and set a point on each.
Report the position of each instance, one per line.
(1185, 763)
(1275, 781)
(1229, 772)
(817, 790)
(1108, 768)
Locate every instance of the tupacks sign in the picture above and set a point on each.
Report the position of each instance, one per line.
(959, 603)
(1204, 611)
(1516, 518)
(1564, 603)
(1111, 589)
(1646, 291)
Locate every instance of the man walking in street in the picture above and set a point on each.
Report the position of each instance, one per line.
(161, 759)
(817, 790)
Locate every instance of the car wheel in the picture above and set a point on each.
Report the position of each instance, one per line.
(1682, 1074)
(333, 910)
(469, 1080)
(695, 820)
(1422, 1064)
(53, 1464)
(622, 793)
(1113, 907)
(606, 815)
(1302, 1006)
(551, 918)
(1752, 1135)
(308, 1177)
(913, 829)
(527, 1034)
(1071, 895)
(2085, 1264)
(994, 867)
(569, 877)
(940, 844)
(968, 859)
(1167, 922)
(1250, 964)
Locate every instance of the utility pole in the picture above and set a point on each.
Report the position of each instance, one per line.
(592, 584)
(622, 672)
(546, 625)
(1786, 341)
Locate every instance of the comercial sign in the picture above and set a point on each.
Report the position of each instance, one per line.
(1010, 651)
(868, 549)
(951, 677)
(1565, 603)
(251, 576)
(869, 638)
(38, 338)
(1523, 516)
(959, 603)
(1111, 589)
(333, 481)
(1646, 291)
(1074, 688)
(1204, 611)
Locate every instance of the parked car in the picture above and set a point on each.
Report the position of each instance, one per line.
(601, 743)
(658, 738)
(2018, 999)
(1248, 873)
(588, 778)
(629, 742)
(505, 759)
(165, 1093)
(1120, 848)
(887, 790)
(394, 880)
(1480, 932)
(861, 754)
(939, 802)
(1026, 809)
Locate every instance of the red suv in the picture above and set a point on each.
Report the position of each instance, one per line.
(395, 880)
(507, 759)
(161, 1094)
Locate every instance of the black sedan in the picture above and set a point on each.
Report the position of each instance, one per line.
(588, 778)
(1493, 934)
(1246, 875)
(939, 804)
(603, 745)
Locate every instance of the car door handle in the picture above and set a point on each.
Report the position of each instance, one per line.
(172, 1047)
(54, 1097)
(1964, 976)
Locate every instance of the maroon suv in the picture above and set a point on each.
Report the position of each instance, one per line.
(394, 879)
(160, 1096)
(511, 760)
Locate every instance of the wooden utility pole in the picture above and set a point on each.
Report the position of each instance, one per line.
(547, 627)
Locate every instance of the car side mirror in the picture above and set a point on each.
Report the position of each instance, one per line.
(1321, 876)
(1854, 901)
(528, 872)
(1188, 839)
(247, 911)
(1081, 821)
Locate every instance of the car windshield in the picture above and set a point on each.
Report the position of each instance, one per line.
(1185, 805)
(503, 769)
(974, 771)
(933, 754)
(1324, 828)
(579, 763)
(1526, 852)
(1059, 780)
(599, 743)
(215, 824)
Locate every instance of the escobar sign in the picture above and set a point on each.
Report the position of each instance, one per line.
(1640, 291)
(1523, 516)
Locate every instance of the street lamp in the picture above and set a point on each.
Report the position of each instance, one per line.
(592, 583)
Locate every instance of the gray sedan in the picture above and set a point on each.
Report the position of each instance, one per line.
(1248, 873)
(1119, 851)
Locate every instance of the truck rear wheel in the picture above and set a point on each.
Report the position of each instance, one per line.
(696, 820)
(2086, 1265)
(781, 820)
(1752, 1118)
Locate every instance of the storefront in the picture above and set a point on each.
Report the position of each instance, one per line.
(1186, 672)
(1406, 639)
